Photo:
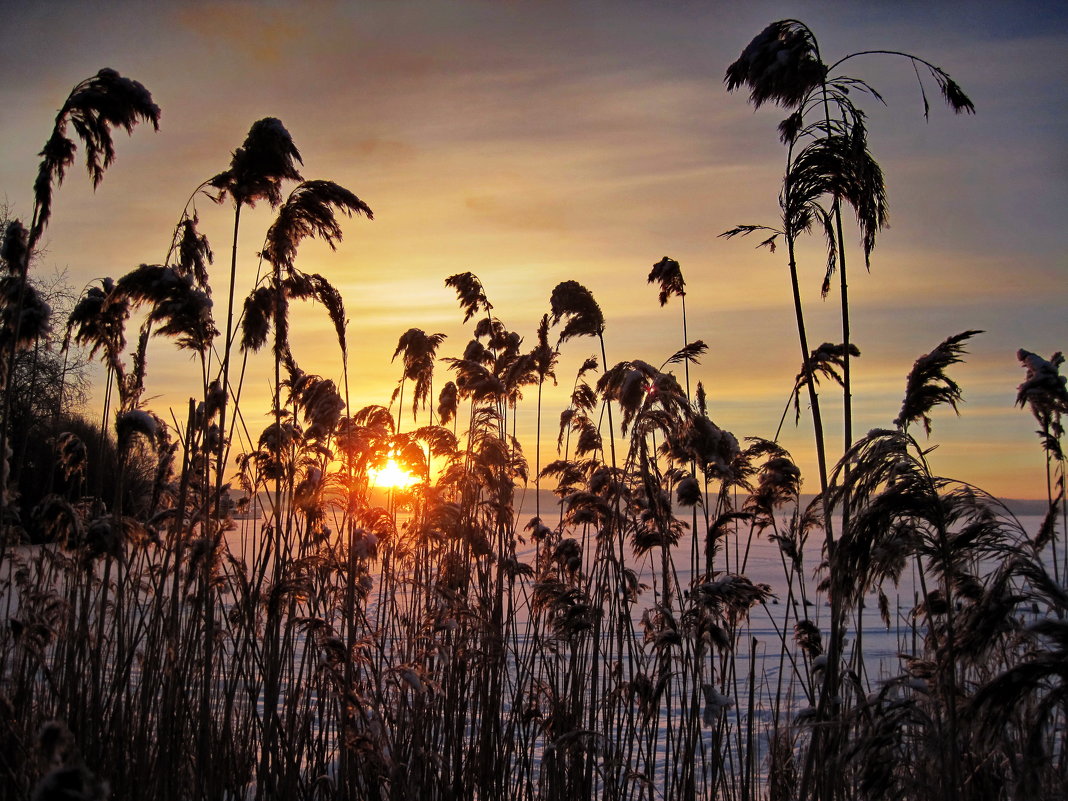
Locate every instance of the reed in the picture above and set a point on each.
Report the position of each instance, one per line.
(344, 640)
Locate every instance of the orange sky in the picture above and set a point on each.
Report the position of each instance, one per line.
(535, 142)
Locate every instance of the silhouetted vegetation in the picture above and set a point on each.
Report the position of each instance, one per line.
(433, 642)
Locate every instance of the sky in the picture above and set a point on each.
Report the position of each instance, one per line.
(536, 142)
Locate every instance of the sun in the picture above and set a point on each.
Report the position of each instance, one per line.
(392, 476)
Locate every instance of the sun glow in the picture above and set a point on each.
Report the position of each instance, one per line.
(392, 476)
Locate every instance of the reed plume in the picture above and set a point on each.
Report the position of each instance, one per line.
(182, 309)
(1044, 390)
(310, 211)
(419, 350)
(470, 293)
(257, 169)
(571, 301)
(93, 108)
(928, 385)
(781, 65)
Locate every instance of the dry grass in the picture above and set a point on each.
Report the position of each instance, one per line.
(432, 643)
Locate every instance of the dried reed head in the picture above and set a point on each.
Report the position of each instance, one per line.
(544, 356)
(25, 316)
(712, 448)
(419, 350)
(807, 636)
(310, 210)
(928, 385)
(256, 319)
(60, 521)
(136, 422)
(470, 293)
(257, 169)
(778, 483)
(838, 166)
(780, 65)
(94, 107)
(99, 323)
(320, 402)
(71, 455)
(179, 307)
(826, 361)
(729, 596)
(14, 250)
(668, 274)
(194, 252)
(448, 402)
(1044, 389)
(570, 300)
(688, 492)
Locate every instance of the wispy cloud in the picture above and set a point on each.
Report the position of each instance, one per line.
(246, 31)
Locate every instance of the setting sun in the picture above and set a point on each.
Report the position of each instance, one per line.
(392, 476)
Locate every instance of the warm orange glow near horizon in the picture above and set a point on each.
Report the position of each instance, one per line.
(392, 476)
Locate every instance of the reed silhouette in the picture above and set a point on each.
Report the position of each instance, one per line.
(321, 637)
